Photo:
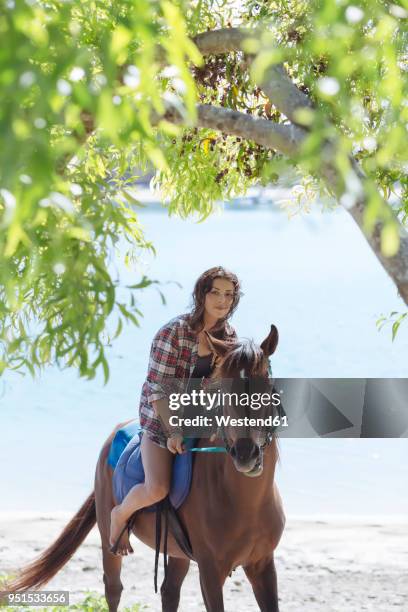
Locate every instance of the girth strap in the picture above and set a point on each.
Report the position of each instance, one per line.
(165, 509)
(179, 533)
(158, 538)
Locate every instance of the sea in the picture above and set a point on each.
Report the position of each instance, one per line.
(313, 275)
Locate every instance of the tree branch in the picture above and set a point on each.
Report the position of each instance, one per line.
(279, 88)
(397, 266)
(224, 40)
(283, 93)
(285, 139)
(287, 98)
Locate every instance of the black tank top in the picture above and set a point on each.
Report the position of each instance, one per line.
(202, 369)
(203, 366)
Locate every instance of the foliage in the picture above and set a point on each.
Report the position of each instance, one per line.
(79, 82)
(64, 198)
(394, 319)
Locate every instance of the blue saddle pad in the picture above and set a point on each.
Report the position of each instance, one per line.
(125, 457)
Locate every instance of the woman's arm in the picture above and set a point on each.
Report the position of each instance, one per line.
(161, 379)
(161, 375)
(174, 434)
(162, 410)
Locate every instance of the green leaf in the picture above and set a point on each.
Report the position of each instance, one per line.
(120, 40)
(118, 329)
(145, 282)
(390, 240)
(395, 327)
(105, 367)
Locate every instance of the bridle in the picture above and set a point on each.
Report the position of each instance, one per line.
(268, 433)
(227, 446)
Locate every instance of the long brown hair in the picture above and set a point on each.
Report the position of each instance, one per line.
(203, 285)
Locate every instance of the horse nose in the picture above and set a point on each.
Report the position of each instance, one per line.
(244, 449)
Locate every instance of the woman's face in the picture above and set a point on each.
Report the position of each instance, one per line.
(219, 299)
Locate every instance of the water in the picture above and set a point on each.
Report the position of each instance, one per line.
(313, 276)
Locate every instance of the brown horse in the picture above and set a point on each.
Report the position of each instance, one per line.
(231, 520)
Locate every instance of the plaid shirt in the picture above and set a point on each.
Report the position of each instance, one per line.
(173, 356)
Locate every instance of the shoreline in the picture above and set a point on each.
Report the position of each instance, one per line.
(323, 564)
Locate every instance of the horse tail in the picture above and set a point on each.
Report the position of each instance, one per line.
(42, 569)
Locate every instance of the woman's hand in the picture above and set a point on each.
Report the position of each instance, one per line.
(175, 443)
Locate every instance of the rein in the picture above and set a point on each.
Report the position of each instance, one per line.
(209, 449)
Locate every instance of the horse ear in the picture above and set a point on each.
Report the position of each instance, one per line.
(217, 346)
(271, 342)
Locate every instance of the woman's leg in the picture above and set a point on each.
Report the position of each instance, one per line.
(157, 464)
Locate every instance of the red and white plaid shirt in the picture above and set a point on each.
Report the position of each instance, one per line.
(173, 356)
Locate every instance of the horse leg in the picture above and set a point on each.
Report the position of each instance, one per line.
(211, 581)
(262, 576)
(112, 565)
(104, 501)
(170, 588)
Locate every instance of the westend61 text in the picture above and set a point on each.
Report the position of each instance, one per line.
(228, 421)
(208, 400)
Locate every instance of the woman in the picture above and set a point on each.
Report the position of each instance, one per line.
(179, 352)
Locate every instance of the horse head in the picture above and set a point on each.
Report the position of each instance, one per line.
(242, 374)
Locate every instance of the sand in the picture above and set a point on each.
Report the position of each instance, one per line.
(329, 565)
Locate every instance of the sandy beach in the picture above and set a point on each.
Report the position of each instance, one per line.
(328, 565)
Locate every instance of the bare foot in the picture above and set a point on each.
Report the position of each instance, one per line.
(117, 526)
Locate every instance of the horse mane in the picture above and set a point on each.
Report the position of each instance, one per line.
(245, 355)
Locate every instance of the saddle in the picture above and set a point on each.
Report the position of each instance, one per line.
(126, 461)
